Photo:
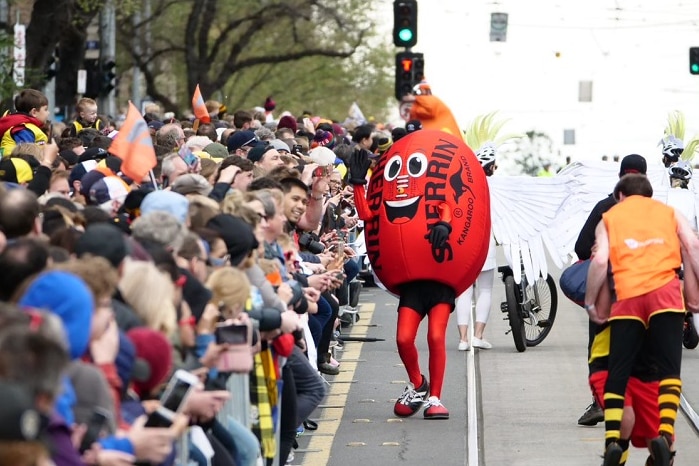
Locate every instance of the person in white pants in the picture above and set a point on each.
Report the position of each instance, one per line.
(484, 292)
(482, 139)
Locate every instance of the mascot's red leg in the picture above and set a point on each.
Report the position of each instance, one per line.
(438, 318)
(406, 331)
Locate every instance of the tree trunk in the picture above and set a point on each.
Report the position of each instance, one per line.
(43, 32)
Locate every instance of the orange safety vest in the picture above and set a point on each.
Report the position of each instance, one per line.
(644, 249)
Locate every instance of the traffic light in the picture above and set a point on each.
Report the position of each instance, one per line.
(694, 60)
(410, 70)
(93, 78)
(107, 78)
(404, 23)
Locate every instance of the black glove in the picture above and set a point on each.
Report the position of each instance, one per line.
(438, 234)
(359, 164)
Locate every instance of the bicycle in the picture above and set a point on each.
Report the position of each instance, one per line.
(530, 309)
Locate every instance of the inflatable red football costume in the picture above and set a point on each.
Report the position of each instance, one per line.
(427, 226)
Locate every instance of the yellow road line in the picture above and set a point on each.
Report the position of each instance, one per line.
(321, 442)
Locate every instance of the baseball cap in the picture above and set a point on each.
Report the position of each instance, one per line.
(216, 150)
(93, 153)
(15, 170)
(240, 139)
(633, 163)
(413, 125)
(109, 188)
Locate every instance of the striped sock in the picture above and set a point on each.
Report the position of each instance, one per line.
(613, 410)
(668, 403)
(624, 444)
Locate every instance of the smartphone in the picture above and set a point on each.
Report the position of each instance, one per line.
(231, 333)
(173, 399)
(188, 156)
(95, 427)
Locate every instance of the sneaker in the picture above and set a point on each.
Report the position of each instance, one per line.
(661, 451)
(612, 455)
(333, 362)
(464, 346)
(434, 409)
(592, 415)
(482, 344)
(328, 369)
(411, 400)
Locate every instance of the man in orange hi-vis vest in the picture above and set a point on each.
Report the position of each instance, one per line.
(644, 241)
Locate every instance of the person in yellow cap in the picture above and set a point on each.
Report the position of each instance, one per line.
(16, 170)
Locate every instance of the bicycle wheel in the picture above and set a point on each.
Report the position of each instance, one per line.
(513, 314)
(540, 308)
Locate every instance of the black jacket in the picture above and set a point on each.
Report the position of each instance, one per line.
(586, 238)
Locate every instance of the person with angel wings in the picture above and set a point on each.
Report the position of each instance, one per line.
(482, 138)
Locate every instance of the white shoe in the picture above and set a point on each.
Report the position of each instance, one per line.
(464, 346)
(482, 344)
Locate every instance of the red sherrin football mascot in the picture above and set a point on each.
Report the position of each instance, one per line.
(427, 224)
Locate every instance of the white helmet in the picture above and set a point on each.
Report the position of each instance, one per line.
(680, 170)
(486, 154)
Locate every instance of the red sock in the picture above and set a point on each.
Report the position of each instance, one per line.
(438, 318)
(406, 331)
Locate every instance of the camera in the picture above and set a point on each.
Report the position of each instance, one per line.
(307, 242)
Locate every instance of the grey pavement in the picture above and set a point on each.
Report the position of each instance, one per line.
(528, 410)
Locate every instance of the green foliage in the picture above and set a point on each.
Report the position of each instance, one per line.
(7, 83)
(304, 53)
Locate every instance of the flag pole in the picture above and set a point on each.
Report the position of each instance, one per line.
(152, 178)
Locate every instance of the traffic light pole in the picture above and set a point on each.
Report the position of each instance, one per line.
(107, 103)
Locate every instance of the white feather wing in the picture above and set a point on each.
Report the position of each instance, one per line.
(589, 183)
(523, 210)
(533, 217)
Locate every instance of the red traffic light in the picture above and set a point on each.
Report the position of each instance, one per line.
(407, 64)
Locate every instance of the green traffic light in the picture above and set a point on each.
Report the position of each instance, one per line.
(695, 68)
(405, 35)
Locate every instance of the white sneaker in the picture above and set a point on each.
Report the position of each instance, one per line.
(464, 346)
(482, 344)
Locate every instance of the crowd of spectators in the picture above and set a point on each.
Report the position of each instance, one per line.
(111, 287)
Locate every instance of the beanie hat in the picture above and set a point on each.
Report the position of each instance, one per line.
(237, 234)
(633, 163)
(103, 240)
(154, 348)
(280, 145)
(323, 138)
(322, 156)
(15, 170)
(288, 121)
(216, 150)
(259, 151)
(69, 298)
(270, 104)
(169, 202)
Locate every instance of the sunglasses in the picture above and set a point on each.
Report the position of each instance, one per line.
(219, 262)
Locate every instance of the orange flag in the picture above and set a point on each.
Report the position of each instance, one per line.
(134, 146)
(199, 107)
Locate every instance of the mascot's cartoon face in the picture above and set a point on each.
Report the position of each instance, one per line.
(428, 177)
(401, 174)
